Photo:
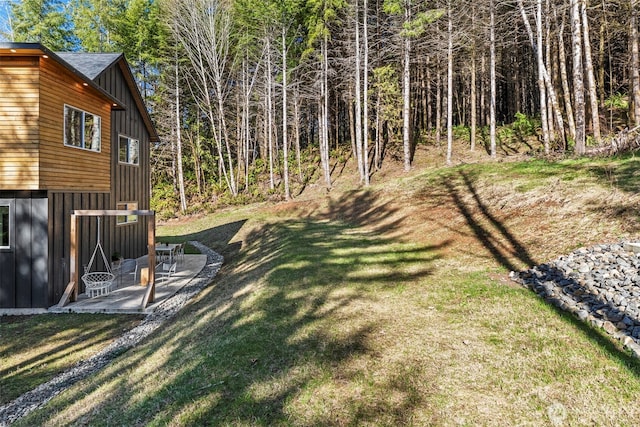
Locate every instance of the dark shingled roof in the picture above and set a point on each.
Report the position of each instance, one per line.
(89, 64)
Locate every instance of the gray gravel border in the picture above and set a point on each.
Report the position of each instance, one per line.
(599, 285)
(42, 394)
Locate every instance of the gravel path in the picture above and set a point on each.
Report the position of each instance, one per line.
(599, 285)
(39, 396)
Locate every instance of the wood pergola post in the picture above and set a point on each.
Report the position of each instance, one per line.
(150, 295)
(71, 292)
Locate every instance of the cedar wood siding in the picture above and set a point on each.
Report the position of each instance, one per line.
(19, 110)
(63, 167)
(34, 91)
(75, 178)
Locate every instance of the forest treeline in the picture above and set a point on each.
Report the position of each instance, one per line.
(257, 97)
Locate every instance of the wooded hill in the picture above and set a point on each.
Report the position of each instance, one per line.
(257, 97)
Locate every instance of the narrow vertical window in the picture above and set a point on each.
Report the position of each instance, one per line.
(129, 151)
(4, 227)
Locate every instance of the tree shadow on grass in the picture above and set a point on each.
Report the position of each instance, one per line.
(506, 249)
(275, 333)
(45, 341)
(487, 228)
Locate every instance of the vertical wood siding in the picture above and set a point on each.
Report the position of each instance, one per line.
(23, 267)
(60, 206)
(129, 183)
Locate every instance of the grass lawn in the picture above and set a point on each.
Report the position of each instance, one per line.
(33, 349)
(385, 306)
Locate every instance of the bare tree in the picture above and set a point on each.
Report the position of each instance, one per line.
(449, 82)
(591, 79)
(635, 61)
(178, 124)
(203, 27)
(492, 78)
(578, 76)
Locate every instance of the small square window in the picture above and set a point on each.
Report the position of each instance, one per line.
(129, 219)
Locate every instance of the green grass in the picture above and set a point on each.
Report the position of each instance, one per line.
(387, 306)
(33, 349)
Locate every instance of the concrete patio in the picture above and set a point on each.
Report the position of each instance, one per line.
(127, 295)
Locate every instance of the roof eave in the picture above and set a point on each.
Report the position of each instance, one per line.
(24, 48)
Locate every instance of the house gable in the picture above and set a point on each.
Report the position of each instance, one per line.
(36, 87)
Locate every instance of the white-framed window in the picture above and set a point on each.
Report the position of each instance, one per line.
(5, 226)
(81, 129)
(128, 219)
(129, 150)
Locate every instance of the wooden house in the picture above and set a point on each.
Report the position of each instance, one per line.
(74, 134)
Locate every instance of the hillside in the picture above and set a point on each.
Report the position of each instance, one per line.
(387, 305)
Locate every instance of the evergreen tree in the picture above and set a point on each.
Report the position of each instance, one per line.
(44, 21)
(95, 23)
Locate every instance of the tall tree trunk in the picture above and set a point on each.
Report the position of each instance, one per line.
(492, 72)
(578, 77)
(378, 148)
(285, 141)
(541, 85)
(438, 105)
(296, 124)
(358, 103)
(601, 53)
(449, 84)
(352, 125)
(473, 100)
(183, 197)
(246, 124)
(591, 79)
(536, 44)
(324, 113)
(406, 95)
(635, 63)
(545, 85)
(549, 70)
(429, 109)
(269, 135)
(365, 93)
(562, 64)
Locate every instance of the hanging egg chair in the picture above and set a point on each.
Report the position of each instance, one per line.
(98, 282)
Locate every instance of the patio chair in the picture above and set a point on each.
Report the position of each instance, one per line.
(165, 270)
(129, 266)
(180, 252)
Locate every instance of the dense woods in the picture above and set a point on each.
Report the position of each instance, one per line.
(256, 98)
